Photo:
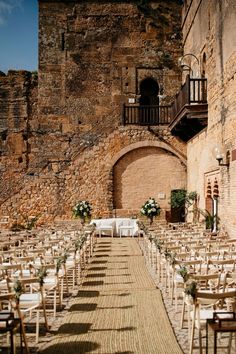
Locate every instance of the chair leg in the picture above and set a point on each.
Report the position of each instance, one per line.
(192, 331)
(54, 303)
(37, 327)
(182, 315)
(172, 293)
(200, 340)
(22, 329)
(176, 298)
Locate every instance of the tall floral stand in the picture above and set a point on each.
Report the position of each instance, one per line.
(151, 218)
(82, 220)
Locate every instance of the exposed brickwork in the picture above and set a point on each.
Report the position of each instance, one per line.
(213, 32)
(147, 172)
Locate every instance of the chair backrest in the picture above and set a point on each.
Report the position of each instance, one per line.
(221, 265)
(215, 296)
(194, 265)
(10, 269)
(207, 281)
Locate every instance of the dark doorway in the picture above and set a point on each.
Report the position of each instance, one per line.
(149, 101)
(178, 214)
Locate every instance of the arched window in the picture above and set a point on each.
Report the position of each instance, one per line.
(203, 73)
(208, 199)
(149, 102)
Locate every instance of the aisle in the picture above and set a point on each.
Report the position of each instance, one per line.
(118, 309)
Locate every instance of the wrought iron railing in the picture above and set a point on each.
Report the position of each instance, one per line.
(147, 115)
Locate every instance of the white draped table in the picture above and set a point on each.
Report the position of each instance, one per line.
(116, 226)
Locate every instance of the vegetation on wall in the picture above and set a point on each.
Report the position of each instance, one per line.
(182, 198)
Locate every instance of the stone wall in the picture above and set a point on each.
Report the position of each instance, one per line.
(62, 138)
(90, 177)
(18, 107)
(215, 24)
(92, 58)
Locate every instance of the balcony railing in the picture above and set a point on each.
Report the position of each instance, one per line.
(192, 95)
(194, 91)
(147, 115)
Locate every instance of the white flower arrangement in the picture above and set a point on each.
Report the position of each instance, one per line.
(151, 208)
(82, 209)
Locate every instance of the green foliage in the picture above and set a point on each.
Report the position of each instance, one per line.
(79, 243)
(171, 257)
(191, 289)
(18, 289)
(34, 74)
(61, 260)
(150, 208)
(42, 273)
(191, 196)
(150, 237)
(178, 199)
(159, 244)
(30, 222)
(210, 219)
(182, 198)
(82, 209)
(183, 272)
(59, 263)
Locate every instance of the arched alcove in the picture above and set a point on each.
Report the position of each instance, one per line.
(145, 172)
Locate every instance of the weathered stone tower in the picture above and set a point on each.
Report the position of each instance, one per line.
(108, 72)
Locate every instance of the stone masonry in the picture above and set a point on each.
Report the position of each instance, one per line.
(65, 141)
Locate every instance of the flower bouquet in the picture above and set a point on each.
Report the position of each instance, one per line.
(82, 210)
(150, 209)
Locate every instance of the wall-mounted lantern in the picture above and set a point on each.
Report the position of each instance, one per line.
(221, 156)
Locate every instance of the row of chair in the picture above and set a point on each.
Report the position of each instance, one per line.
(198, 269)
(35, 279)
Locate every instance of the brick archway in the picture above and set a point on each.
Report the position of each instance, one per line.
(143, 170)
(147, 143)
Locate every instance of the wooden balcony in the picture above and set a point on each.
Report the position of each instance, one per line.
(146, 115)
(186, 117)
(190, 109)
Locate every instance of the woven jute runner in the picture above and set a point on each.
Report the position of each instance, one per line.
(118, 309)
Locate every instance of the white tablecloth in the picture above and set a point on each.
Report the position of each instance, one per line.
(115, 223)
